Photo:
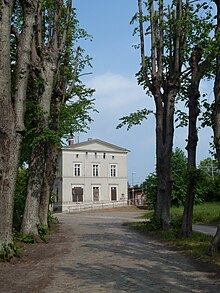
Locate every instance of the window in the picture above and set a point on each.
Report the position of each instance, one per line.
(77, 156)
(113, 193)
(95, 170)
(96, 155)
(95, 193)
(103, 155)
(113, 170)
(113, 157)
(76, 170)
(77, 194)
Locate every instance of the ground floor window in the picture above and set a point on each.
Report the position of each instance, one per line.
(113, 193)
(96, 192)
(77, 194)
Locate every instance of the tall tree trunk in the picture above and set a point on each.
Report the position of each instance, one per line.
(164, 83)
(31, 220)
(216, 127)
(193, 95)
(46, 59)
(164, 144)
(48, 180)
(12, 109)
(7, 127)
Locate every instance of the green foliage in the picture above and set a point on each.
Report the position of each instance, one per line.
(153, 224)
(135, 118)
(43, 231)
(20, 197)
(51, 219)
(208, 180)
(7, 251)
(197, 245)
(75, 117)
(150, 190)
(179, 177)
(207, 115)
(182, 118)
(206, 213)
(23, 238)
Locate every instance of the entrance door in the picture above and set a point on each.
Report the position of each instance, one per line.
(113, 193)
(77, 194)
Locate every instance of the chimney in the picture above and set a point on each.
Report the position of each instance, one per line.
(71, 141)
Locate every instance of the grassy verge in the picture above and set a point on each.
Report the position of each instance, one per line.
(197, 245)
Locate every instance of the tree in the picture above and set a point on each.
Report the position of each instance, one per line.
(179, 181)
(208, 180)
(216, 239)
(174, 30)
(179, 177)
(55, 71)
(160, 74)
(150, 190)
(12, 103)
(198, 70)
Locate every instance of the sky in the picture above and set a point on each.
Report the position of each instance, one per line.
(115, 63)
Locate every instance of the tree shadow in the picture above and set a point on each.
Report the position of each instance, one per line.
(120, 260)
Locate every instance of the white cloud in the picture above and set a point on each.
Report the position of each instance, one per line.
(115, 92)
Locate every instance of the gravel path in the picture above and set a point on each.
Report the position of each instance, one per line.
(105, 256)
(94, 252)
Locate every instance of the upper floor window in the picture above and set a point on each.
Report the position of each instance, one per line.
(77, 156)
(103, 155)
(96, 155)
(113, 170)
(113, 157)
(95, 170)
(77, 170)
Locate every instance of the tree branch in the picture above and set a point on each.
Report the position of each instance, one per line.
(153, 39)
(70, 91)
(143, 61)
(68, 11)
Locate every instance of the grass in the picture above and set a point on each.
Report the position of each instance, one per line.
(206, 213)
(197, 245)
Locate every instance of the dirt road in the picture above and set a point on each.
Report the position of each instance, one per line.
(93, 252)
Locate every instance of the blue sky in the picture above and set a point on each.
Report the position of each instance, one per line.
(115, 63)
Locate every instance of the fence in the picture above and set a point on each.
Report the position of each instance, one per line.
(86, 206)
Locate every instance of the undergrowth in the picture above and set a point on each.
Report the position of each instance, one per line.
(9, 250)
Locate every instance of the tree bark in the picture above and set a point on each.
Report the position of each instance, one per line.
(46, 60)
(216, 127)
(47, 186)
(193, 95)
(164, 144)
(164, 87)
(7, 127)
(12, 108)
(31, 220)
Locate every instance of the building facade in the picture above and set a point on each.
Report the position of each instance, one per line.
(91, 174)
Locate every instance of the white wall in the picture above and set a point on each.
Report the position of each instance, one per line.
(86, 180)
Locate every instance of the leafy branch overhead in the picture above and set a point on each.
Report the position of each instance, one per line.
(134, 118)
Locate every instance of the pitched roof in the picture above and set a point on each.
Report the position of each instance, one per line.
(95, 145)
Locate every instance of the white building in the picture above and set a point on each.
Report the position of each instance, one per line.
(91, 174)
